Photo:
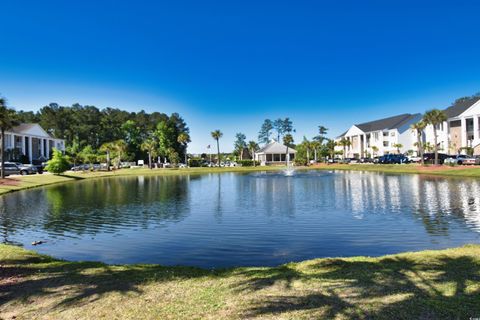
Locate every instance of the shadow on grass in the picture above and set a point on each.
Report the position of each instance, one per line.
(391, 288)
(39, 276)
(436, 286)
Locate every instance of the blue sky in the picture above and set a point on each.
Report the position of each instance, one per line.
(231, 64)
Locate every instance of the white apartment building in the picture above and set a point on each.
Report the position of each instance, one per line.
(384, 134)
(32, 141)
(460, 130)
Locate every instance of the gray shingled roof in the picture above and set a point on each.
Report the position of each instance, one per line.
(460, 106)
(387, 123)
(22, 127)
(275, 147)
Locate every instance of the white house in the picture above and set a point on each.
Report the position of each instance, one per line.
(32, 141)
(460, 130)
(274, 153)
(385, 134)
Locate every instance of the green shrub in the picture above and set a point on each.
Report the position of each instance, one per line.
(247, 163)
(195, 162)
(58, 164)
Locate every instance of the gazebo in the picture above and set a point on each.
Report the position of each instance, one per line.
(274, 153)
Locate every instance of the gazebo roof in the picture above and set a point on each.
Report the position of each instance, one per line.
(275, 147)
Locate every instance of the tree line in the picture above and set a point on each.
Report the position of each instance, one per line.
(91, 133)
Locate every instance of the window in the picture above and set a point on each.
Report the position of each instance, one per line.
(284, 157)
(385, 134)
(392, 134)
(375, 136)
(269, 157)
(385, 143)
(276, 157)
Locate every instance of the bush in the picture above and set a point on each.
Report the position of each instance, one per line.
(247, 163)
(58, 164)
(195, 163)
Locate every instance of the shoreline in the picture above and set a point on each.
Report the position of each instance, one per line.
(18, 183)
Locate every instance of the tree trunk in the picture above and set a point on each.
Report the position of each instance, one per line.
(253, 156)
(150, 160)
(3, 154)
(420, 147)
(315, 151)
(286, 157)
(108, 160)
(308, 156)
(436, 146)
(218, 153)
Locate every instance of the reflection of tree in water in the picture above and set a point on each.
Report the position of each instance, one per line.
(111, 204)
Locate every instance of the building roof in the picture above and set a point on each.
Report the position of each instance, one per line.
(23, 127)
(460, 106)
(394, 122)
(275, 147)
(32, 129)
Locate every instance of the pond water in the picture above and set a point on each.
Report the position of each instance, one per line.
(231, 219)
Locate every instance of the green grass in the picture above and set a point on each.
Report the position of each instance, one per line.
(25, 182)
(423, 285)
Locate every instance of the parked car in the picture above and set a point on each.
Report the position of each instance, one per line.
(334, 160)
(414, 159)
(13, 168)
(458, 159)
(462, 159)
(366, 160)
(430, 157)
(29, 168)
(81, 167)
(393, 159)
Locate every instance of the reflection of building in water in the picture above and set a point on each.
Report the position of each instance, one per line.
(436, 200)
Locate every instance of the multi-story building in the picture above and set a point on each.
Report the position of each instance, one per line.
(31, 141)
(461, 129)
(379, 137)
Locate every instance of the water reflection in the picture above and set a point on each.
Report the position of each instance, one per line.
(243, 219)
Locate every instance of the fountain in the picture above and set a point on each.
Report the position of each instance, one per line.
(290, 170)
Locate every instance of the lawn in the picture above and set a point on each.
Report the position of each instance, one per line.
(423, 285)
(24, 182)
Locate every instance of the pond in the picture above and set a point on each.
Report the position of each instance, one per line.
(232, 219)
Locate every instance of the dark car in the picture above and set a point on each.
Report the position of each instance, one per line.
(393, 159)
(430, 157)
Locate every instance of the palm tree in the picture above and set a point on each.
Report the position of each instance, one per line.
(149, 145)
(253, 147)
(344, 142)
(435, 117)
(398, 146)
(315, 145)
(184, 138)
(120, 148)
(418, 129)
(308, 145)
(287, 140)
(374, 150)
(7, 121)
(217, 134)
(108, 147)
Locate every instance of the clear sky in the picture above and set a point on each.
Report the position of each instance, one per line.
(228, 65)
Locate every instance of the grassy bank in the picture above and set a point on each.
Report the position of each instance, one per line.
(25, 182)
(424, 285)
